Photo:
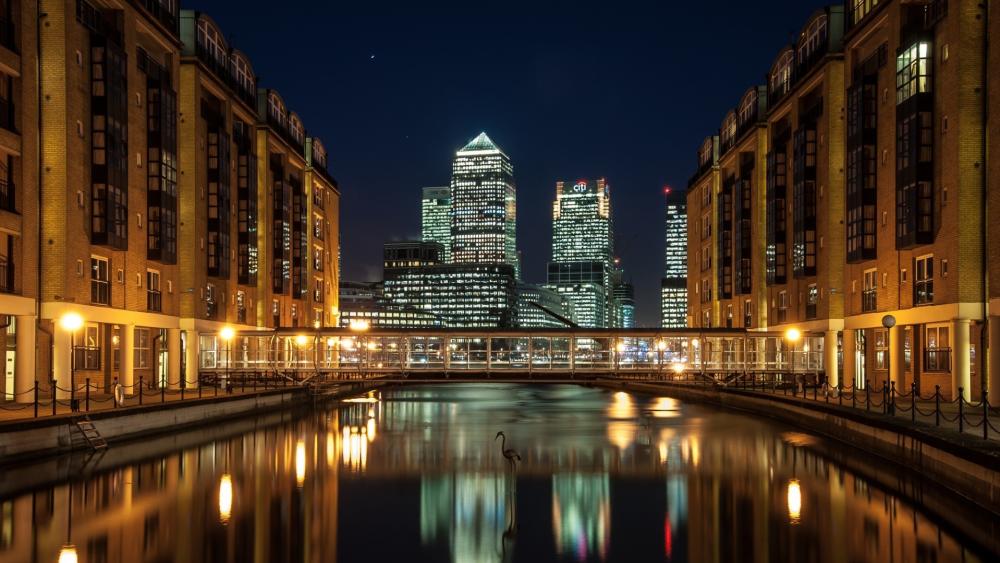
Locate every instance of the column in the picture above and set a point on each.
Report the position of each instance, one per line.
(994, 361)
(62, 359)
(126, 355)
(962, 374)
(191, 358)
(897, 360)
(174, 358)
(830, 357)
(850, 357)
(24, 359)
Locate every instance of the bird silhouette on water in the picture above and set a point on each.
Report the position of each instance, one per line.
(512, 456)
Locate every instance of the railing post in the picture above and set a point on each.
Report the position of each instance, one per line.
(114, 394)
(86, 396)
(892, 396)
(140, 390)
(182, 390)
(868, 397)
(840, 393)
(986, 417)
(913, 402)
(53, 380)
(937, 405)
(961, 411)
(36, 398)
(163, 393)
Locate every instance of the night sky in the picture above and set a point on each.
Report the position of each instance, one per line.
(567, 91)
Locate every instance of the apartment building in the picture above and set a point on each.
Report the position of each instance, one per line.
(702, 199)
(874, 195)
(151, 193)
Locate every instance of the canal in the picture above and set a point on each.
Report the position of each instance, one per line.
(417, 474)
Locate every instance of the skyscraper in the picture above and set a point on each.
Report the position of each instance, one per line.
(538, 307)
(435, 218)
(483, 205)
(622, 299)
(581, 249)
(673, 289)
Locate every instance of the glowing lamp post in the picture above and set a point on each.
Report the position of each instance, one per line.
(71, 322)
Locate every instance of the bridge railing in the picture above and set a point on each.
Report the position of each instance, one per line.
(398, 352)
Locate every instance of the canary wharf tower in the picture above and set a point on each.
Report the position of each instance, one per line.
(484, 205)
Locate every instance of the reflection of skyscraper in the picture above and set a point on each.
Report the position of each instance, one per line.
(435, 218)
(581, 249)
(468, 512)
(673, 300)
(581, 515)
(483, 205)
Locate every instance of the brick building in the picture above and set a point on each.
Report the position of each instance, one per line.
(874, 197)
(143, 170)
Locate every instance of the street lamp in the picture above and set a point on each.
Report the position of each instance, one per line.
(227, 333)
(71, 322)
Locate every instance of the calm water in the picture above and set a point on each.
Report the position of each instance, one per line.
(414, 474)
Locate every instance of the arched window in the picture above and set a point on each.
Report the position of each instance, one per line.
(243, 72)
(728, 133)
(210, 39)
(812, 38)
(276, 108)
(781, 74)
(295, 128)
(319, 152)
(705, 152)
(748, 107)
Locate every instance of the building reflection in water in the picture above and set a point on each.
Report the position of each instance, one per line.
(581, 515)
(468, 512)
(737, 489)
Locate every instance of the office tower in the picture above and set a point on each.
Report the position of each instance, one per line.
(538, 307)
(483, 206)
(462, 295)
(581, 250)
(673, 287)
(365, 301)
(435, 218)
(624, 296)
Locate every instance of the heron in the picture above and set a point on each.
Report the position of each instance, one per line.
(511, 454)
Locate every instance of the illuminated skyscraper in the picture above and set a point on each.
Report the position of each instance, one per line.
(435, 218)
(673, 290)
(483, 206)
(581, 250)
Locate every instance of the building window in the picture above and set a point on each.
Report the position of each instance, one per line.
(813, 41)
(276, 312)
(913, 71)
(706, 319)
(776, 252)
(281, 267)
(915, 222)
(100, 281)
(782, 307)
(937, 353)
(246, 210)
(881, 348)
(154, 301)
(7, 187)
(300, 239)
(161, 157)
(706, 258)
(923, 280)
(141, 349)
(241, 307)
(747, 313)
(742, 209)
(862, 137)
(725, 239)
(812, 301)
(217, 152)
(859, 9)
(318, 292)
(318, 259)
(318, 227)
(87, 353)
(869, 294)
(804, 202)
(109, 143)
(706, 226)
(781, 76)
(317, 192)
(706, 290)
(211, 304)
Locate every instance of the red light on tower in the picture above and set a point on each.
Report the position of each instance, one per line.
(666, 190)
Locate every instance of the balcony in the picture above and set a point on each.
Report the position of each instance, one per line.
(869, 300)
(160, 13)
(211, 310)
(223, 70)
(154, 301)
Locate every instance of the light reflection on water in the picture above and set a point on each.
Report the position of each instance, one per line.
(413, 474)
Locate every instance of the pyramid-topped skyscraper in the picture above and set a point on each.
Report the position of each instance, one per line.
(484, 205)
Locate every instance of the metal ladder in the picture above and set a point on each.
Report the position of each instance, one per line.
(90, 433)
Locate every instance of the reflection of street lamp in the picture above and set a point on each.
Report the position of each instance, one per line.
(794, 501)
(225, 498)
(227, 333)
(71, 322)
(68, 554)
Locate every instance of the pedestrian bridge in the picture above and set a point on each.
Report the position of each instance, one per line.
(489, 354)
